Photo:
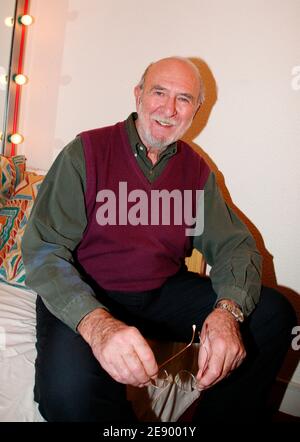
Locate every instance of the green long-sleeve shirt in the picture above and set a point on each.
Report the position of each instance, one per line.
(58, 221)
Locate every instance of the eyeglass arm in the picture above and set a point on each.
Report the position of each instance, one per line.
(181, 351)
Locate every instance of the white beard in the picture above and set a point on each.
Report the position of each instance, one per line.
(151, 141)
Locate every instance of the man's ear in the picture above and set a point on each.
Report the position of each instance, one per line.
(137, 94)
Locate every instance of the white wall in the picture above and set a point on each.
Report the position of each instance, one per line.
(83, 58)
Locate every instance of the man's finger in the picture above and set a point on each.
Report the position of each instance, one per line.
(135, 368)
(202, 361)
(146, 356)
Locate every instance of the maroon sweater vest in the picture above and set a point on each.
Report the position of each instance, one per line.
(122, 256)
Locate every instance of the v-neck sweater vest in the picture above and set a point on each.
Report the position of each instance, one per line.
(121, 256)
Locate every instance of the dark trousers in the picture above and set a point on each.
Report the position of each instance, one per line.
(71, 385)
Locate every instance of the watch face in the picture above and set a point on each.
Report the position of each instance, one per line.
(238, 314)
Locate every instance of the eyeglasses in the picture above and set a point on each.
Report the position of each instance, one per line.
(184, 379)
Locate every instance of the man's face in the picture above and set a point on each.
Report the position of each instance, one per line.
(167, 103)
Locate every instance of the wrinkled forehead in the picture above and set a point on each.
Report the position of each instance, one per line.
(175, 74)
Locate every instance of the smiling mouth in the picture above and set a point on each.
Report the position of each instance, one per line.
(164, 123)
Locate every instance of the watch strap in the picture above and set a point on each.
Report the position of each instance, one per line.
(233, 309)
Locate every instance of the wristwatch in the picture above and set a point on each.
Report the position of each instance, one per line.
(233, 309)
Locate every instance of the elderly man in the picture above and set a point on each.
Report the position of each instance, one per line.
(109, 268)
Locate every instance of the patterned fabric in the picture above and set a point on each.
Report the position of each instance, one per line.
(13, 219)
(11, 174)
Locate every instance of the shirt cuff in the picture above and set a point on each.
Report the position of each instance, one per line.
(78, 308)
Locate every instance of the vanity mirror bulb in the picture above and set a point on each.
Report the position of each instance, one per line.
(20, 79)
(26, 20)
(9, 21)
(15, 138)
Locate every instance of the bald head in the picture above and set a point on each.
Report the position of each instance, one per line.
(175, 64)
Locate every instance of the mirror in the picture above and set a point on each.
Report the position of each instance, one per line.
(7, 14)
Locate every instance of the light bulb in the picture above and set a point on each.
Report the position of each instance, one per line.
(26, 20)
(20, 79)
(9, 21)
(15, 138)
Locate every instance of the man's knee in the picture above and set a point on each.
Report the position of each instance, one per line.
(277, 306)
(273, 318)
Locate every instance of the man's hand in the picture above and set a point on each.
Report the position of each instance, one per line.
(224, 350)
(120, 349)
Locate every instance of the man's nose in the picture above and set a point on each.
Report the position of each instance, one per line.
(170, 107)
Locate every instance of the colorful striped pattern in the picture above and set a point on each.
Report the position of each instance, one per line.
(14, 215)
(11, 174)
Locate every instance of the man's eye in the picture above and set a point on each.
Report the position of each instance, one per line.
(159, 93)
(184, 99)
